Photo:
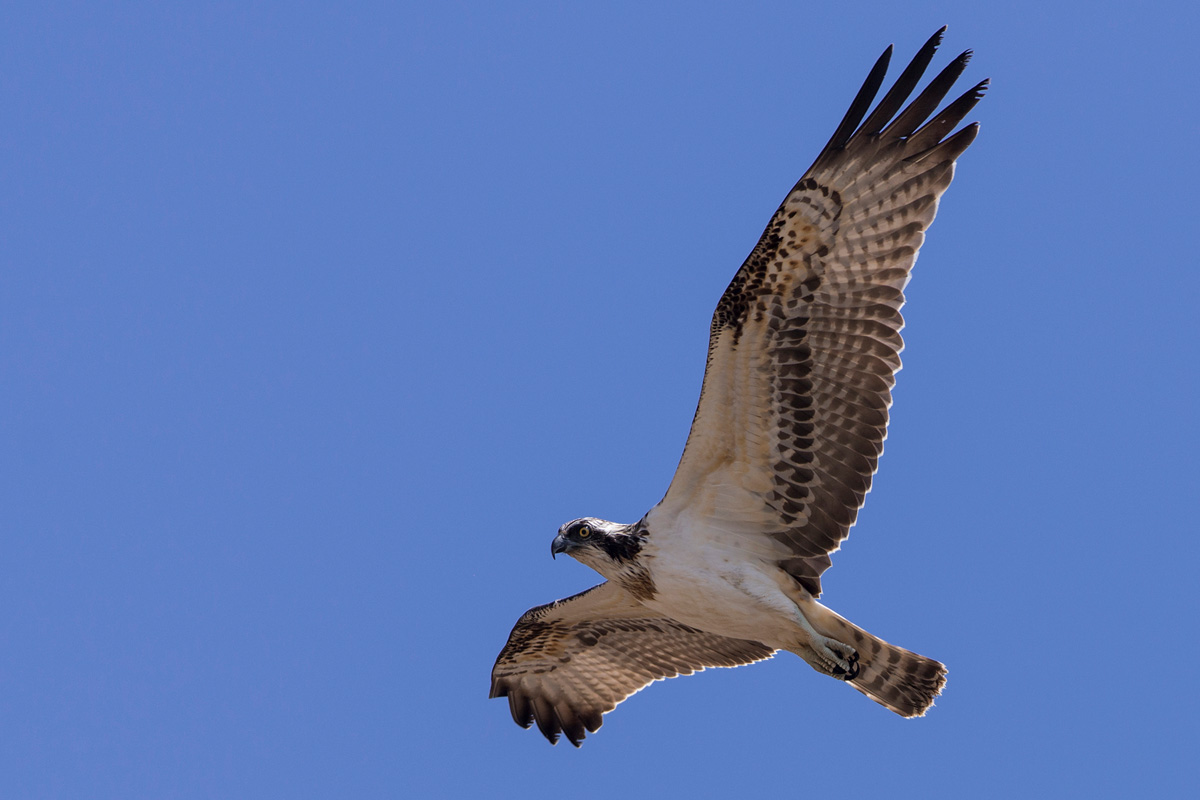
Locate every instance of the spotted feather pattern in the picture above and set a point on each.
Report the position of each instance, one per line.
(568, 663)
(805, 342)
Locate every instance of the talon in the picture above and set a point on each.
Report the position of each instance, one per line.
(847, 674)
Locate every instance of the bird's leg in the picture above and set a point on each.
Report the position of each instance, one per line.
(827, 655)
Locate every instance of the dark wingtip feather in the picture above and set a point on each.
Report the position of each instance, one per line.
(592, 719)
(549, 730)
(575, 735)
(861, 105)
(930, 134)
(572, 726)
(546, 719)
(927, 101)
(914, 116)
(518, 706)
(952, 148)
(902, 88)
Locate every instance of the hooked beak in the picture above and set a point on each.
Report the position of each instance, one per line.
(559, 545)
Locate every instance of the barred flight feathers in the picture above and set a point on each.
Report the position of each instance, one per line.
(805, 342)
(568, 663)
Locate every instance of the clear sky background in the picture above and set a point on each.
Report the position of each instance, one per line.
(317, 321)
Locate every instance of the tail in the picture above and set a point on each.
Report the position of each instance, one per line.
(894, 677)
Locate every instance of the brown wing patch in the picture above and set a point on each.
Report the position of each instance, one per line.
(779, 265)
(568, 663)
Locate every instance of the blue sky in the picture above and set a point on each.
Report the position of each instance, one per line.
(317, 321)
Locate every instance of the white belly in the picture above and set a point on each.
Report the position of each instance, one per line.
(709, 580)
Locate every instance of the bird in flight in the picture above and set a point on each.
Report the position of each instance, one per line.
(802, 356)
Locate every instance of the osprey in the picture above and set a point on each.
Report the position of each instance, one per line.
(803, 350)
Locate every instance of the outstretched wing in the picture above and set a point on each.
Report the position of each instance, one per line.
(568, 663)
(805, 342)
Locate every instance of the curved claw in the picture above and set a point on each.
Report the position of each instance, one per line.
(854, 667)
(852, 673)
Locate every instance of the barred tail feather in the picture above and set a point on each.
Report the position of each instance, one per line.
(899, 679)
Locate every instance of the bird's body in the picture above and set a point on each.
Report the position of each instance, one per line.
(803, 350)
(704, 580)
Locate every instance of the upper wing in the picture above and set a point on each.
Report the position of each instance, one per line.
(805, 342)
(568, 663)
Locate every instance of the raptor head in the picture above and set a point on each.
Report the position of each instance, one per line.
(602, 545)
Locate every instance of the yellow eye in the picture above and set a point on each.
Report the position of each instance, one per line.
(584, 531)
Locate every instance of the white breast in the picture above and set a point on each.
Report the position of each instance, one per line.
(719, 580)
